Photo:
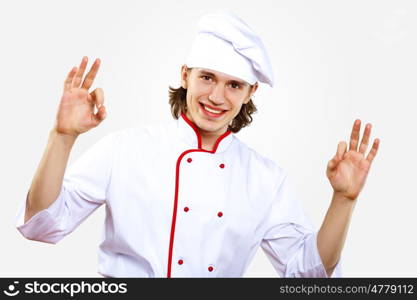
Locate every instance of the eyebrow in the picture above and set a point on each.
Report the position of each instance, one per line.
(203, 72)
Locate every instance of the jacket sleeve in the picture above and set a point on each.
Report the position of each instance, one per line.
(290, 241)
(83, 191)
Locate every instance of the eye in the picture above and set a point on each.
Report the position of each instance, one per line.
(235, 85)
(205, 77)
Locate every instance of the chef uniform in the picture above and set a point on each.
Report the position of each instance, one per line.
(174, 209)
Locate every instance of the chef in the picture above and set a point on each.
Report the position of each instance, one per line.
(187, 198)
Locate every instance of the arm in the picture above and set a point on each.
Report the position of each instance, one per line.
(332, 234)
(75, 116)
(347, 173)
(47, 181)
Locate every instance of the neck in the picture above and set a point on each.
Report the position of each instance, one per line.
(208, 139)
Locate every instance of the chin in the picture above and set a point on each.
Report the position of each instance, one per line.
(208, 126)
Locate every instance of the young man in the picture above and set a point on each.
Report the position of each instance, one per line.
(188, 198)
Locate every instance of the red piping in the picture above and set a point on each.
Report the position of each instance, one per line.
(177, 178)
(193, 127)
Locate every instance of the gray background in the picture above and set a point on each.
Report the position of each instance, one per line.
(334, 61)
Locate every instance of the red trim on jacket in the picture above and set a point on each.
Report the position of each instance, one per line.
(193, 127)
(177, 178)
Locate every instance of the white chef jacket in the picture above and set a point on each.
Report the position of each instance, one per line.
(176, 210)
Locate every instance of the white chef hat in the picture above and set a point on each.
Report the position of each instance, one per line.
(226, 44)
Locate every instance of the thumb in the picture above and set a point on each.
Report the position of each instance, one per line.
(100, 115)
(98, 97)
(341, 149)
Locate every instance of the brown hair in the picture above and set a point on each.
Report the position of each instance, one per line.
(178, 102)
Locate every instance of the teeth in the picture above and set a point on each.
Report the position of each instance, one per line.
(211, 110)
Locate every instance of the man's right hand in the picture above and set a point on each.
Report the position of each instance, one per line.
(76, 110)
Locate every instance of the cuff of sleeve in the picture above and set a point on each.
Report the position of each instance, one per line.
(308, 263)
(41, 222)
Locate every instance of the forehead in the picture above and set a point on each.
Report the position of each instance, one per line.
(220, 75)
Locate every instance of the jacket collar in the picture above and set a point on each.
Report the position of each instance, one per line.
(189, 133)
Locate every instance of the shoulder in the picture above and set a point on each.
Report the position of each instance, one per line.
(140, 133)
(260, 164)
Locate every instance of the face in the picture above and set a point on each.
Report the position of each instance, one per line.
(214, 99)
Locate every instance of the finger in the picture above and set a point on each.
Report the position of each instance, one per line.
(354, 137)
(68, 80)
(89, 78)
(374, 150)
(79, 76)
(98, 97)
(331, 165)
(341, 150)
(365, 139)
(100, 115)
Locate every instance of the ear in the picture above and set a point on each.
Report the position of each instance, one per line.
(184, 76)
(251, 92)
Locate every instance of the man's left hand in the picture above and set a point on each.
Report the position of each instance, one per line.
(348, 169)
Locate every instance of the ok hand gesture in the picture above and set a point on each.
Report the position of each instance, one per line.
(76, 110)
(348, 169)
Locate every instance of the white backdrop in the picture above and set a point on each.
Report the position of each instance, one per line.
(334, 61)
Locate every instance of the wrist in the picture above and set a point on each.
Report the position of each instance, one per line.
(64, 137)
(342, 199)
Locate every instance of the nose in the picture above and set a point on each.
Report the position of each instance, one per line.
(217, 95)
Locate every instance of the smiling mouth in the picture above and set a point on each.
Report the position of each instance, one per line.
(212, 112)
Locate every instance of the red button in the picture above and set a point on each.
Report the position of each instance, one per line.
(220, 214)
(180, 262)
(189, 159)
(210, 269)
(221, 166)
(186, 209)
